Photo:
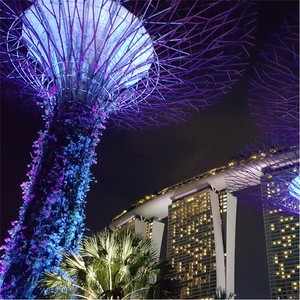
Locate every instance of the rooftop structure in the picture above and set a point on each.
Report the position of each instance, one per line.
(280, 168)
(240, 173)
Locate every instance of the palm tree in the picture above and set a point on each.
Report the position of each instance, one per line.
(222, 294)
(110, 265)
(164, 287)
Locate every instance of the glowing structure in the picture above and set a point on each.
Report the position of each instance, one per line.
(274, 88)
(275, 172)
(274, 102)
(133, 62)
(294, 187)
(205, 225)
(277, 169)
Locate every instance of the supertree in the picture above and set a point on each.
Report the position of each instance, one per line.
(274, 86)
(276, 168)
(88, 62)
(274, 104)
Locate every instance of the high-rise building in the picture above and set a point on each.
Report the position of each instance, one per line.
(150, 228)
(197, 237)
(282, 238)
(203, 230)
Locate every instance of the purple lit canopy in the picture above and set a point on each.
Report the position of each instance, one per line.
(274, 103)
(276, 169)
(151, 61)
(88, 62)
(274, 88)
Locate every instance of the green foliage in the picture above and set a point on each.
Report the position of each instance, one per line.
(110, 265)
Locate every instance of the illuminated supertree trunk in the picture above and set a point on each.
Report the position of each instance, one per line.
(92, 61)
(51, 218)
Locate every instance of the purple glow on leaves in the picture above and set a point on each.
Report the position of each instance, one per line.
(54, 198)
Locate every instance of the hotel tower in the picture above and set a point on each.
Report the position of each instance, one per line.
(197, 220)
(282, 238)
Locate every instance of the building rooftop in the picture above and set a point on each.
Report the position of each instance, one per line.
(156, 204)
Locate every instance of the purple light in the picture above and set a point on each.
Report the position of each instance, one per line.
(89, 62)
(105, 28)
(198, 53)
(274, 103)
(274, 88)
(274, 170)
(294, 187)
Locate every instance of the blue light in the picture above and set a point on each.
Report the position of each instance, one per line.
(115, 42)
(294, 187)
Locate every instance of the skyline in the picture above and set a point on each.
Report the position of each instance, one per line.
(180, 152)
(250, 248)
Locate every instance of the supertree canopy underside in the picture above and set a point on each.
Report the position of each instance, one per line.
(275, 170)
(274, 103)
(274, 88)
(133, 62)
(294, 187)
(87, 51)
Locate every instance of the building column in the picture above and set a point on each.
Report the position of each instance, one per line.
(220, 264)
(155, 233)
(230, 242)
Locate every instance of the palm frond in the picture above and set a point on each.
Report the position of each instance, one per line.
(57, 286)
(110, 264)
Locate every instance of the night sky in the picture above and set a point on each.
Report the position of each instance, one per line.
(134, 163)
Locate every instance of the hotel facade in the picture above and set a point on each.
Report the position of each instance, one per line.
(197, 220)
(282, 240)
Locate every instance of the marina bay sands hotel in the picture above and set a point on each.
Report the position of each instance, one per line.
(205, 228)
